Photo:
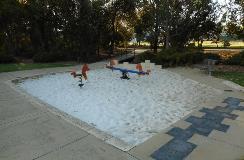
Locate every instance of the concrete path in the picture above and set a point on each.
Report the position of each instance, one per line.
(30, 132)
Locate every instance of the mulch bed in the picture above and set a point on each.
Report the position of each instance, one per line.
(229, 68)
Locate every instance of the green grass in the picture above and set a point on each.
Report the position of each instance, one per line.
(221, 47)
(233, 45)
(235, 77)
(29, 66)
(209, 45)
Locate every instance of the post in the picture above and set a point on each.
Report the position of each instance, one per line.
(134, 50)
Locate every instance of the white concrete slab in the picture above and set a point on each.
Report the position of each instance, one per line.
(144, 151)
(234, 136)
(36, 137)
(209, 149)
(88, 148)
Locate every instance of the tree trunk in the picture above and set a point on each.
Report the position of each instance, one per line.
(98, 50)
(44, 38)
(201, 43)
(167, 39)
(167, 34)
(9, 42)
(156, 32)
(113, 34)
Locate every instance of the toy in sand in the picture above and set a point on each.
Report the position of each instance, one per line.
(125, 71)
(83, 73)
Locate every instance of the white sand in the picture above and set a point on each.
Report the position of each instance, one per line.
(131, 110)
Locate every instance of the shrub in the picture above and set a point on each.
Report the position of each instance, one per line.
(27, 52)
(52, 56)
(198, 57)
(212, 56)
(146, 56)
(237, 59)
(226, 43)
(46, 57)
(5, 57)
(171, 57)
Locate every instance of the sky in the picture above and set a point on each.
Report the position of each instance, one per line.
(222, 1)
(229, 5)
(225, 3)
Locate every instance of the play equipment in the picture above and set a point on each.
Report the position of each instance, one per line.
(139, 67)
(126, 71)
(84, 70)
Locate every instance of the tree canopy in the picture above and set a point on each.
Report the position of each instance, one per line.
(49, 30)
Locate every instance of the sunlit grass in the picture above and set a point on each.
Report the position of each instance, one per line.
(233, 44)
(208, 44)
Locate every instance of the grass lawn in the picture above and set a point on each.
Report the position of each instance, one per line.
(209, 45)
(29, 66)
(235, 77)
(233, 45)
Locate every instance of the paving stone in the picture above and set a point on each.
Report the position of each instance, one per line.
(6, 76)
(88, 148)
(181, 124)
(196, 114)
(180, 134)
(216, 115)
(174, 150)
(179, 148)
(232, 101)
(144, 150)
(36, 137)
(205, 126)
(240, 108)
(13, 105)
(234, 135)
(224, 109)
(240, 115)
(99, 134)
(209, 149)
(15, 110)
(7, 93)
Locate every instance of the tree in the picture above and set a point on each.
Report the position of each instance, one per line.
(119, 13)
(178, 22)
(194, 19)
(11, 26)
(61, 29)
(99, 23)
(140, 35)
(235, 19)
(226, 43)
(216, 41)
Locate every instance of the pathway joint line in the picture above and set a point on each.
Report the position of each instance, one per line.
(20, 119)
(60, 147)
